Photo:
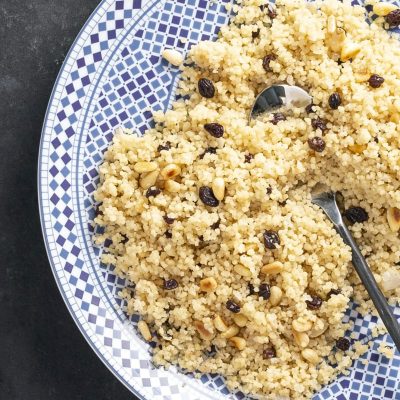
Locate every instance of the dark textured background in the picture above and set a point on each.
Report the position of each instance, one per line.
(42, 353)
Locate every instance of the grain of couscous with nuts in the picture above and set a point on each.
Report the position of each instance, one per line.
(235, 271)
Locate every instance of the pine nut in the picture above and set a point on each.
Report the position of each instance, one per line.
(220, 324)
(240, 320)
(238, 342)
(301, 326)
(203, 332)
(276, 296)
(208, 284)
(218, 188)
(272, 269)
(172, 186)
(331, 24)
(393, 218)
(170, 171)
(242, 270)
(149, 180)
(173, 56)
(145, 166)
(310, 355)
(144, 331)
(301, 339)
(318, 329)
(233, 330)
(383, 9)
(357, 148)
(349, 50)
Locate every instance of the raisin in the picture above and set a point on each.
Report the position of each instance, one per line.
(209, 150)
(212, 351)
(319, 123)
(343, 344)
(215, 225)
(317, 144)
(255, 34)
(278, 117)
(248, 158)
(375, 81)
(271, 11)
(214, 129)
(152, 192)
(269, 353)
(315, 303)
(170, 284)
(271, 239)
(269, 190)
(393, 18)
(164, 147)
(264, 291)
(250, 286)
(206, 88)
(334, 101)
(356, 214)
(232, 306)
(310, 109)
(207, 197)
(266, 62)
(333, 292)
(169, 220)
(124, 239)
(168, 234)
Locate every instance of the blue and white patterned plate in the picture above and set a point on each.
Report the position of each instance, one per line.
(111, 76)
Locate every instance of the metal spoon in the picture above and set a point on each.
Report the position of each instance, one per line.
(276, 96)
(270, 100)
(323, 197)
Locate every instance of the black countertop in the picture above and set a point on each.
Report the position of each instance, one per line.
(42, 353)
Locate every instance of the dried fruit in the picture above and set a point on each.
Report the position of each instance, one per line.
(214, 129)
(250, 286)
(209, 150)
(278, 117)
(170, 284)
(375, 81)
(164, 147)
(333, 292)
(310, 109)
(269, 353)
(356, 214)
(343, 344)
(207, 197)
(215, 225)
(168, 220)
(271, 11)
(393, 18)
(206, 88)
(153, 192)
(248, 158)
(168, 234)
(319, 123)
(317, 144)
(255, 34)
(315, 303)
(232, 306)
(334, 101)
(264, 291)
(271, 239)
(266, 62)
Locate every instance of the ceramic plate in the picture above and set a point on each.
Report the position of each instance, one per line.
(111, 77)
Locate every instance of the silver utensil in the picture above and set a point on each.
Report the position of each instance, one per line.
(322, 196)
(277, 96)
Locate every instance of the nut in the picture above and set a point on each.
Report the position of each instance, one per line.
(220, 324)
(357, 148)
(218, 188)
(331, 24)
(310, 355)
(301, 339)
(242, 270)
(301, 326)
(349, 50)
(148, 180)
(318, 329)
(393, 218)
(172, 186)
(170, 171)
(336, 40)
(203, 332)
(144, 330)
(173, 56)
(238, 342)
(208, 284)
(232, 331)
(145, 166)
(272, 269)
(240, 320)
(383, 9)
(276, 296)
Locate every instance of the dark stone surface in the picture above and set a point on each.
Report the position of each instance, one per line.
(42, 353)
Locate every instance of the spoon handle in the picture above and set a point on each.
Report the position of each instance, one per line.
(367, 278)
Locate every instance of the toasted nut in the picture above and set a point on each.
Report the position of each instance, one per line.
(301, 339)
(393, 218)
(238, 342)
(232, 331)
(145, 166)
(242, 270)
(218, 188)
(318, 329)
(336, 40)
(170, 171)
(383, 9)
(331, 24)
(240, 320)
(276, 296)
(208, 284)
(357, 148)
(144, 330)
(301, 326)
(220, 324)
(148, 180)
(310, 355)
(172, 186)
(174, 57)
(349, 50)
(272, 269)
(203, 332)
